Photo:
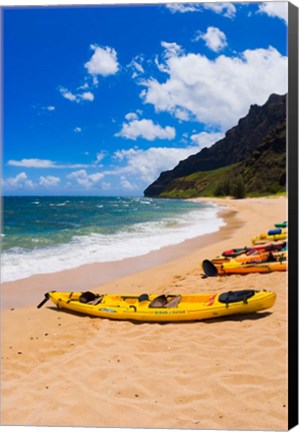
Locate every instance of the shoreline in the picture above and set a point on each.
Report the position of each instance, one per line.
(74, 279)
(151, 230)
(215, 374)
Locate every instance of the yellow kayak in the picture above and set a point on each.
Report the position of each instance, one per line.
(235, 267)
(263, 238)
(242, 258)
(162, 308)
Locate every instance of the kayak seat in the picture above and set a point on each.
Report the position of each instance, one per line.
(86, 297)
(96, 301)
(90, 298)
(161, 302)
(173, 303)
(236, 296)
(158, 302)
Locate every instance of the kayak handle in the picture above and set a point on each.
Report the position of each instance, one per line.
(43, 301)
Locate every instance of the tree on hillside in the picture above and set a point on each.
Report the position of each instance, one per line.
(237, 188)
(222, 188)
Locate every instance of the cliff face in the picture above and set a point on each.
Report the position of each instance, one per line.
(263, 129)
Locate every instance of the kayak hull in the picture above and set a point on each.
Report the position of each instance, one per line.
(281, 224)
(265, 247)
(263, 238)
(243, 258)
(251, 258)
(234, 267)
(191, 307)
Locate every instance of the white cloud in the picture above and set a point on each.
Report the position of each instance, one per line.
(86, 180)
(136, 66)
(94, 178)
(206, 139)
(141, 167)
(32, 163)
(100, 156)
(103, 61)
(49, 181)
(87, 96)
(217, 92)
(43, 163)
(182, 7)
(226, 9)
(76, 97)
(77, 129)
(50, 108)
(214, 38)
(171, 49)
(131, 116)
(84, 86)
(182, 114)
(275, 9)
(126, 184)
(145, 129)
(123, 154)
(67, 94)
(20, 181)
(145, 165)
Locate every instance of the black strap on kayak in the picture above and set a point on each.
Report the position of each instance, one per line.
(70, 297)
(247, 295)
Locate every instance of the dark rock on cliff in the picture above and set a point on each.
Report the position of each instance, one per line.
(262, 126)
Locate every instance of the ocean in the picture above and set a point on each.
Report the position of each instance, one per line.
(49, 234)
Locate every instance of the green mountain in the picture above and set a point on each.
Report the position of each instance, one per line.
(250, 159)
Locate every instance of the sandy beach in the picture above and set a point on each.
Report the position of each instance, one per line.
(62, 369)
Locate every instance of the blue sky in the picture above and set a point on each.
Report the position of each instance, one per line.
(100, 100)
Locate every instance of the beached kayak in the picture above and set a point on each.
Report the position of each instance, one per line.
(247, 257)
(281, 224)
(263, 238)
(253, 256)
(277, 246)
(162, 308)
(235, 267)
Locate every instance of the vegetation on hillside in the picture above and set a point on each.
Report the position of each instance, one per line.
(263, 173)
(258, 171)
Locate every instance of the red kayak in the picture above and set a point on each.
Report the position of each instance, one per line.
(249, 250)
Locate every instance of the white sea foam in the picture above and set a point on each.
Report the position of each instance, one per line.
(138, 240)
(59, 204)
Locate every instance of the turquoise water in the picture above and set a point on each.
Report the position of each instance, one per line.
(46, 234)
